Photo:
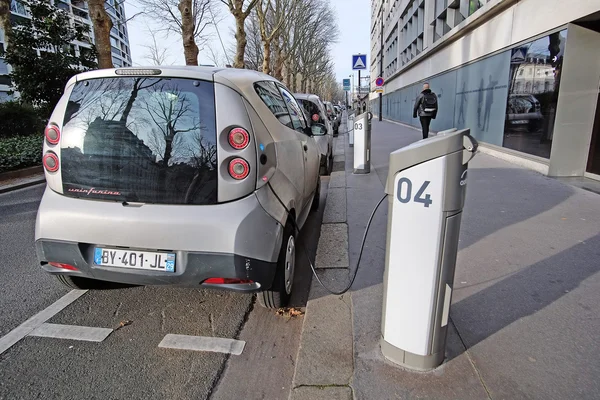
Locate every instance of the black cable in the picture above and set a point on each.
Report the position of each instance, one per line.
(362, 246)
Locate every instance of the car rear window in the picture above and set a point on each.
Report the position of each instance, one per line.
(141, 139)
(311, 109)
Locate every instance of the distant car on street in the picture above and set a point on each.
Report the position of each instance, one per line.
(315, 111)
(333, 118)
(177, 176)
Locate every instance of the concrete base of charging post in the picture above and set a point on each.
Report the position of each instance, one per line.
(427, 188)
(362, 143)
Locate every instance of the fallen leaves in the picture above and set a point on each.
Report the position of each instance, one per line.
(123, 324)
(289, 312)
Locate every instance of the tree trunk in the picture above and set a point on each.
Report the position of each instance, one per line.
(240, 37)
(266, 67)
(278, 73)
(5, 20)
(190, 49)
(102, 26)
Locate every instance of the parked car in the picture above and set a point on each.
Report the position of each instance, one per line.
(524, 109)
(332, 117)
(177, 176)
(315, 111)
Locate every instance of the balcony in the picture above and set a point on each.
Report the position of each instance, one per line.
(19, 8)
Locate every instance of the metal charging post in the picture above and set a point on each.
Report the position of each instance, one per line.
(426, 185)
(362, 143)
(351, 128)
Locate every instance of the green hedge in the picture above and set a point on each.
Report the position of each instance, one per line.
(19, 119)
(21, 152)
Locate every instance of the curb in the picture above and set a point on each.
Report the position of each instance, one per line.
(16, 186)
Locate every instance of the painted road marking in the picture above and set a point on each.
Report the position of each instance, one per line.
(12, 337)
(74, 332)
(203, 343)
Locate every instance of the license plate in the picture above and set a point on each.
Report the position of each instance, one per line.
(137, 259)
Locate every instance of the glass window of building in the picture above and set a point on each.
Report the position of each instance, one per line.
(530, 113)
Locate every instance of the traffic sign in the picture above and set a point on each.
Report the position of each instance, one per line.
(379, 90)
(379, 82)
(346, 84)
(359, 61)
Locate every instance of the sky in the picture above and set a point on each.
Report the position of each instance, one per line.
(353, 19)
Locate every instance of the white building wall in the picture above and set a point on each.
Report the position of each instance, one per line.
(511, 26)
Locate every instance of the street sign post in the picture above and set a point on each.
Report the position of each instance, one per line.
(359, 61)
(346, 84)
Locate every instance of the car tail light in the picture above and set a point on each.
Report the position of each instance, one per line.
(239, 138)
(50, 161)
(63, 266)
(52, 134)
(226, 281)
(239, 168)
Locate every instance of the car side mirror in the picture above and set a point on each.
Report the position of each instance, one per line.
(318, 129)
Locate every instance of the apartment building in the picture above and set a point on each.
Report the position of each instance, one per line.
(522, 75)
(79, 15)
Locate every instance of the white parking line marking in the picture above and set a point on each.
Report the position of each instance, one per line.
(203, 343)
(12, 337)
(74, 332)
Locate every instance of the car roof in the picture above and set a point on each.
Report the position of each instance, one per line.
(306, 96)
(241, 79)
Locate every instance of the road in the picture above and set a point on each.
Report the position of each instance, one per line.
(128, 364)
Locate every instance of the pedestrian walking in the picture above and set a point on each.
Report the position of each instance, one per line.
(426, 107)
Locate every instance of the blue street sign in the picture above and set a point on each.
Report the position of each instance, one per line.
(359, 61)
(346, 84)
(379, 81)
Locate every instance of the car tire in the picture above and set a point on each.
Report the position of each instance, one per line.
(278, 295)
(78, 282)
(317, 199)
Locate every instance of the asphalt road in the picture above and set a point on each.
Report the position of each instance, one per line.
(128, 364)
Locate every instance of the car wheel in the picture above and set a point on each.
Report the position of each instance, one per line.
(317, 199)
(77, 282)
(279, 294)
(323, 165)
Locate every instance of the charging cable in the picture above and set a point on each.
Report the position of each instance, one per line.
(362, 246)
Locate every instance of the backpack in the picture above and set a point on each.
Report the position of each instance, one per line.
(429, 103)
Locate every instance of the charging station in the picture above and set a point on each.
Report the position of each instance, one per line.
(362, 143)
(426, 189)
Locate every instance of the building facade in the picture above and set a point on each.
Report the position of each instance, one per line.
(79, 15)
(523, 75)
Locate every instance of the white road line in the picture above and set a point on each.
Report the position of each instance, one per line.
(12, 337)
(203, 343)
(74, 332)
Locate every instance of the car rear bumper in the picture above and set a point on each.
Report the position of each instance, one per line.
(238, 240)
(191, 269)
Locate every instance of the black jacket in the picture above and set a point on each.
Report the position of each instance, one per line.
(419, 106)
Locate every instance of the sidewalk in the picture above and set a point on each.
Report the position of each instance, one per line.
(524, 317)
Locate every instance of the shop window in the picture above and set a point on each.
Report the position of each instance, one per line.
(530, 114)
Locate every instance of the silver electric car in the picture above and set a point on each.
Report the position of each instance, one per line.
(184, 176)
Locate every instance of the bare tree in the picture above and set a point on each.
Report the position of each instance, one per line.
(271, 17)
(156, 54)
(102, 25)
(5, 24)
(188, 18)
(236, 7)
